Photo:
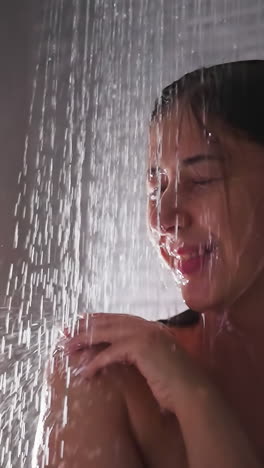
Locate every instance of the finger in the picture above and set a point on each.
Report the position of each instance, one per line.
(84, 340)
(113, 325)
(82, 325)
(121, 322)
(113, 354)
(94, 335)
(117, 317)
(108, 328)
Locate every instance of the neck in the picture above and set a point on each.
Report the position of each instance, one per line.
(245, 316)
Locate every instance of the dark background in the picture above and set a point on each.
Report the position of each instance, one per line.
(16, 66)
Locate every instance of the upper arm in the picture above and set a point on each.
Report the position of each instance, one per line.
(87, 424)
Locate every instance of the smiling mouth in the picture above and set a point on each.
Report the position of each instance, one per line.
(193, 252)
(188, 259)
(194, 263)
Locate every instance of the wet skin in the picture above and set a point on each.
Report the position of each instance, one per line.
(211, 191)
(219, 199)
(218, 204)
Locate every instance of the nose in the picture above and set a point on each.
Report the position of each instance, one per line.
(169, 215)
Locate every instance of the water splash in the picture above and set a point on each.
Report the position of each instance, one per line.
(80, 210)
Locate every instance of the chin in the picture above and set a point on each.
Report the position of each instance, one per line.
(202, 297)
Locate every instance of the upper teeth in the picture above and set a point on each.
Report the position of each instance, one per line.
(188, 256)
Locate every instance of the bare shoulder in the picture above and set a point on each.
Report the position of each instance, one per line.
(110, 420)
(87, 422)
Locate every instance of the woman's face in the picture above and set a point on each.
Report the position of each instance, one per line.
(206, 208)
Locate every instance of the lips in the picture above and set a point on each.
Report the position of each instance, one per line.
(190, 259)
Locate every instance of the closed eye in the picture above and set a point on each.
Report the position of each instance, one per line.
(206, 181)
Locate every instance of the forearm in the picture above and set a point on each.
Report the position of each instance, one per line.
(212, 435)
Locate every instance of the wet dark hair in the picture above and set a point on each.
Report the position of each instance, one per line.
(232, 92)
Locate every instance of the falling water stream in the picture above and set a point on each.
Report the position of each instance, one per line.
(80, 210)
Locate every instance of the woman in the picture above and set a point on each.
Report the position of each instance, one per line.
(189, 396)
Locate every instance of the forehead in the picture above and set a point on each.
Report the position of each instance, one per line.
(178, 135)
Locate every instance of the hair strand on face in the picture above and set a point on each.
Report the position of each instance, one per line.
(230, 92)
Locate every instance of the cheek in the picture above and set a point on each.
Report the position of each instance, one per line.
(246, 227)
(215, 217)
(212, 214)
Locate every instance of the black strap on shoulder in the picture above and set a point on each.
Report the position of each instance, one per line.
(184, 319)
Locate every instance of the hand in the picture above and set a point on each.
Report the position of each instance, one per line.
(211, 432)
(150, 346)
